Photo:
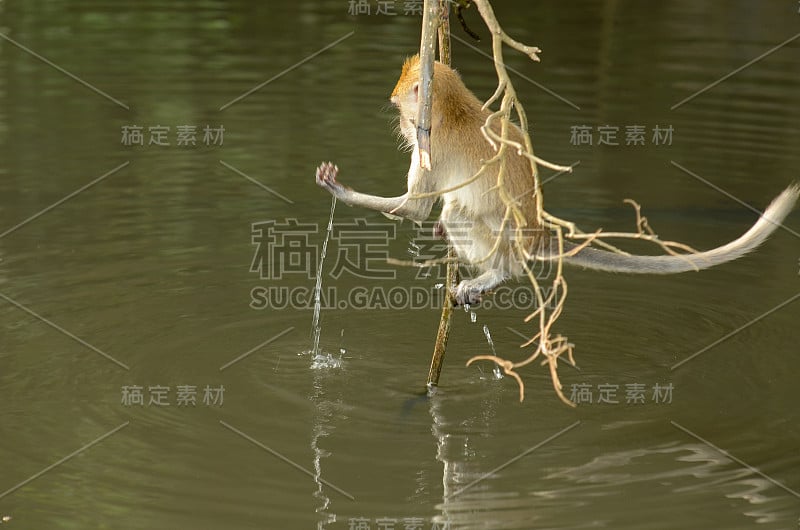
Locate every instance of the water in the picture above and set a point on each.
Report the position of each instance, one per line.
(162, 266)
(323, 360)
(315, 325)
(486, 333)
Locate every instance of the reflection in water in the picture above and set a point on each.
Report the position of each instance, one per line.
(3, 122)
(441, 451)
(3, 278)
(693, 475)
(322, 427)
(321, 363)
(458, 458)
(713, 472)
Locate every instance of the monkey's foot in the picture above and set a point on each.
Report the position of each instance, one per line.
(467, 294)
(326, 178)
(439, 231)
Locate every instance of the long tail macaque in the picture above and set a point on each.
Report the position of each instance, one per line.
(472, 215)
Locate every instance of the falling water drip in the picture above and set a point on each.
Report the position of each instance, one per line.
(315, 327)
(496, 371)
(473, 317)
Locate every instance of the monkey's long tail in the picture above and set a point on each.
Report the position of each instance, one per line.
(603, 260)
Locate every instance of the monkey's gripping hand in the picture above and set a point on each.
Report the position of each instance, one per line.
(469, 292)
(326, 178)
(466, 293)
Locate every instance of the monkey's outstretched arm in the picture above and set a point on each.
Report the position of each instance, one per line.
(401, 206)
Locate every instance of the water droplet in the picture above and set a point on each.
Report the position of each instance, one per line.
(496, 371)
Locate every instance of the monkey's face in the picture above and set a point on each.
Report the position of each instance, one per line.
(405, 98)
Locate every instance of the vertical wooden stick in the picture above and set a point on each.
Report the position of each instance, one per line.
(427, 55)
(444, 322)
(444, 32)
(451, 277)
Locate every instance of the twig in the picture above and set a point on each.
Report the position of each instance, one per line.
(545, 342)
(546, 345)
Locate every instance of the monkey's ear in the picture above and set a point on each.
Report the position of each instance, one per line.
(415, 89)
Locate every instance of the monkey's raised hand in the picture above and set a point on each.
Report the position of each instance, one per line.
(326, 178)
(393, 207)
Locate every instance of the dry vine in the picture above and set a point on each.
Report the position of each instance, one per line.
(549, 345)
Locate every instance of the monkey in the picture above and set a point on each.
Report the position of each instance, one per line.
(473, 215)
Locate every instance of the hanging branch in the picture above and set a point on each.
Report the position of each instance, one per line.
(546, 344)
(460, 5)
